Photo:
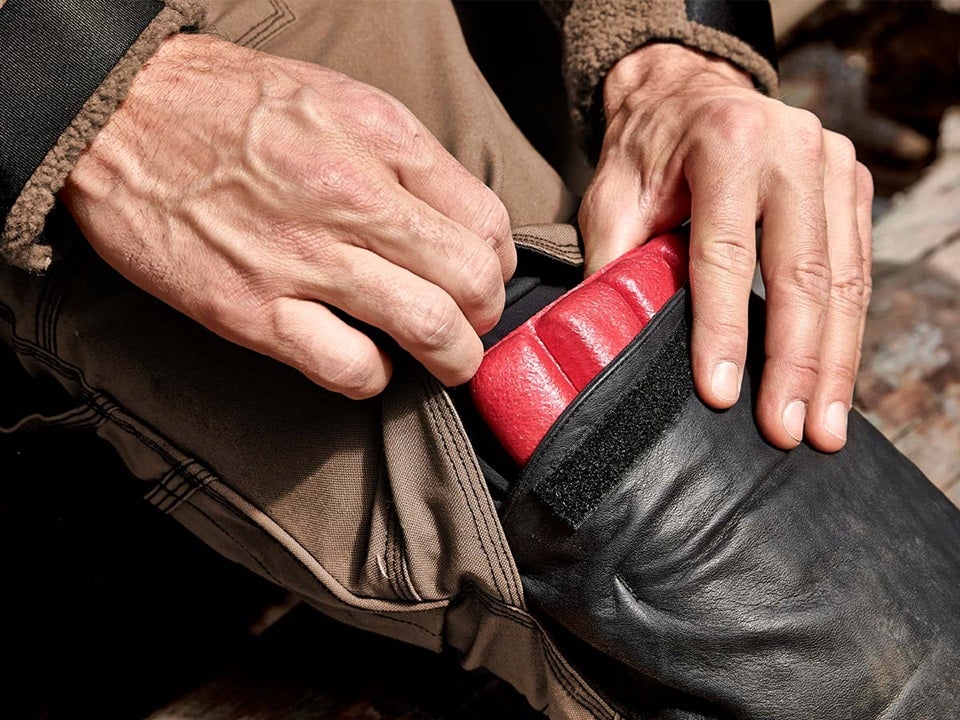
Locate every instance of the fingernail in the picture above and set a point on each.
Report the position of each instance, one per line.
(835, 419)
(726, 381)
(793, 415)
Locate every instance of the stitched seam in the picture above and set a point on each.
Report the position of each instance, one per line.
(584, 695)
(404, 579)
(390, 558)
(514, 593)
(258, 27)
(542, 241)
(283, 17)
(476, 525)
(189, 479)
(159, 486)
(502, 551)
(214, 495)
(538, 243)
(236, 542)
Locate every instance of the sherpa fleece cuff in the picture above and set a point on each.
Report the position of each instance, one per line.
(67, 64)
(598, 33)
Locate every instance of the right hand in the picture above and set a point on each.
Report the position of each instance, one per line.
(251, 192)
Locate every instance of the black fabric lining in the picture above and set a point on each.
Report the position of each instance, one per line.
(749, 20)
(626, 431)
(54, 55)
(526, 296)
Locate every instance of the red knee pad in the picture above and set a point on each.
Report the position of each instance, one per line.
(528, 378)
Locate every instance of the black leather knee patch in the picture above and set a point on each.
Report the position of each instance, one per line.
(622, 435)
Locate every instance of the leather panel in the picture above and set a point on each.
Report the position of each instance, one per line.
(720, 577)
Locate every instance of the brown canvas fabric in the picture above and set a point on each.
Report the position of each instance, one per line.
(375, 512)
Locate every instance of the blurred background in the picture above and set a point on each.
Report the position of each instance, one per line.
(111, 610)
(882, 73)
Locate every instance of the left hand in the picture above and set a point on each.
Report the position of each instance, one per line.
(688, 136)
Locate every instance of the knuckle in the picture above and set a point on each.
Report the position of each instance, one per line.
(727, 251)
(840, 374)
(434, 322)
(723, 326)
(493, 222)
(804, 367)
(358, 376)
(841, 152)
(342, 179)
(482, 279)
(808, 277)
(811, 277)
(383, 118)
(849, 292)
(867, 291)
(807, 130)
(739, 123)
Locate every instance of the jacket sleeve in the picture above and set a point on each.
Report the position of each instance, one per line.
(66, 64)
(597, 33)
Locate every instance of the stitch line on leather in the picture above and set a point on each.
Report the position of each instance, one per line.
(446, 451)
(626, 431)
(516, 593)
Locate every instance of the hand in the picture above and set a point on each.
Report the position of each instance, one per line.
(688, 136)
(253, 193)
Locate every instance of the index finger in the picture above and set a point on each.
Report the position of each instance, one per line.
(433, 175)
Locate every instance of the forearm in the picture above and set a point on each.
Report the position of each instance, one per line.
(66, 68)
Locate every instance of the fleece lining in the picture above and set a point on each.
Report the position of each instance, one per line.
(21, 243)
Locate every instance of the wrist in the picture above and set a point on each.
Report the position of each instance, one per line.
(662, 68)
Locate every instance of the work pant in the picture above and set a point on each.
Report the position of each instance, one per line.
(378, 512)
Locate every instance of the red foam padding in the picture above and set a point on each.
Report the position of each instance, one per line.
(521, 392)
(585, 330)
(529, 378)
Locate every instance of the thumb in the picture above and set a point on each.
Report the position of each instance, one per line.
(613, 217)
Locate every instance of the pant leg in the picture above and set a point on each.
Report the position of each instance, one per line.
(374, 511)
